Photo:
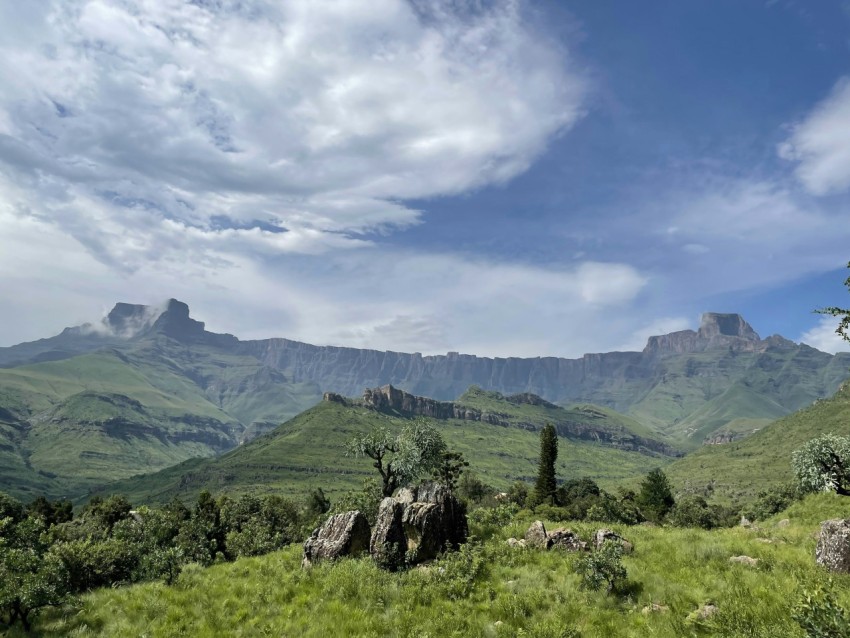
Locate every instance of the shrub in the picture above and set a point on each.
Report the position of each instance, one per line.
(602, 568)
(819, 614)
(772, 502)
(457, 572)
(656, 496)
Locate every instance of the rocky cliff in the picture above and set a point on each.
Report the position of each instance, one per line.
(583, 424)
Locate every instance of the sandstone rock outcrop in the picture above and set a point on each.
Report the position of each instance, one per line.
(566, 540)
(345, 534)
(390, 399)
(562, 538)
(605, 534)
(833, 548)
(417, 525)
(537, 537)
(388, 543)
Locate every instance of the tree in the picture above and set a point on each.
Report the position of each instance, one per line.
(823, 465)
(656, 497)
(843, 329)
(544, 489)
(399, 458)
(449, 468)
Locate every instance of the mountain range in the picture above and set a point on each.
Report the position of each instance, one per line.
(149, 387)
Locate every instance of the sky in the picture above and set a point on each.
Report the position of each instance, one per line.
(495, 177)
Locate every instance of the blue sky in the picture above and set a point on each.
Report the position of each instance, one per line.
(499, 178)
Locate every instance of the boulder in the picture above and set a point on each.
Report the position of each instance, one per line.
(417, 525)
(605, 534)
(453, 528)
(783, 523)
(833, 548)
(513, 542)
(536, 536)
(345, 534)
(655, 608)
(567, 540)
(388, 543)
(745, 560)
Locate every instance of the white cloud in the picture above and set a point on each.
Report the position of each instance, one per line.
(138, 126)
(823, 337)
(375, 297)
(820, 143)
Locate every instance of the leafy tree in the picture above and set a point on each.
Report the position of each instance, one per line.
(518, 493)
(472, 489)
(656, 496)
(30, 577)
(399, 458)
(317, 503)
(823, 465)
(843, 329)
(52, 512)
(449, 468)
(544, 489)
(10, 508)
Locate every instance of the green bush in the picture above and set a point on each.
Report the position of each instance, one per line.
(603, 568)
(820, 615)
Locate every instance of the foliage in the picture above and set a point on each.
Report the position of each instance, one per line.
(518, 493)
(458, 572)
(30, 578)
(694, 511)
(823, 465)
(655, 498)
(449, 468)
(531, 593)
(399, 458)
(544, 488)
(472, 489)
(52, 512)
(843, 329)
(366, 500)
(819, 614)
(770, 502)
(603, 567)
(10, 508)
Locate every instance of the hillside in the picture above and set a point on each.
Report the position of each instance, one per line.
(489, 589)
(741, 469)
(150, 387)
(498, 436)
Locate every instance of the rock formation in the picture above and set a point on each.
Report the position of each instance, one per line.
(345, 534)
(417, 525)
(833, 548)
(390, 399)
(605, 534)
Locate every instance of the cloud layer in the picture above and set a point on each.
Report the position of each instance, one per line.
(146, 127)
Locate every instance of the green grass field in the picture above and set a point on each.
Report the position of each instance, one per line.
(488, 590)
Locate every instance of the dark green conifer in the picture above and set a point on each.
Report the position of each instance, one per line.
(544, 489)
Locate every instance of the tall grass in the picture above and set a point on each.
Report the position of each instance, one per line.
(488, 590)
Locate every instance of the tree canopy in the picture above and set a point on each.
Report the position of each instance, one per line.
(823, 465)
(401, 456)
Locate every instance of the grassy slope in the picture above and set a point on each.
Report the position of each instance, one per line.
(308, 451)
(742, 468)
(90, 419)
(699, 393)
(517, 593)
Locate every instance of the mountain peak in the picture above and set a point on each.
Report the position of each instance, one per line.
(174, 321)
(127, 320)
(715, 324)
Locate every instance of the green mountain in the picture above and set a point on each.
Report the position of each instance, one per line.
(149, 387)
(741, 469)
(497, 434)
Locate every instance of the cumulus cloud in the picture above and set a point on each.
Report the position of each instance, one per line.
(823, 336)
(820, 143)
(141, 126)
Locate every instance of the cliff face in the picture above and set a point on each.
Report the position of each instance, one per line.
(576, 424)
(678, 371)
